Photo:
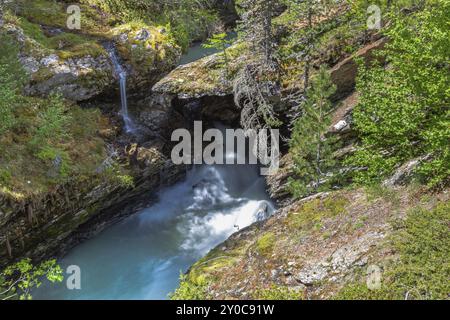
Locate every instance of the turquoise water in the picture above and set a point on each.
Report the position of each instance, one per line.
(143, 256)
(197, 51)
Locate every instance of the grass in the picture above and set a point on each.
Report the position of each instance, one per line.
(378, 191)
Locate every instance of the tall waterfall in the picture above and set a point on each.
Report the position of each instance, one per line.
(122, 75)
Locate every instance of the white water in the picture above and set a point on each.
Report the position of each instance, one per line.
(122, 75)
(143, 256)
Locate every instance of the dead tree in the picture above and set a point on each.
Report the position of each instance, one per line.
(257, 84)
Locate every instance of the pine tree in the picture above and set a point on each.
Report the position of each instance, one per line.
(256, 26)
(220, 42)
(304, 45)
(313, 152)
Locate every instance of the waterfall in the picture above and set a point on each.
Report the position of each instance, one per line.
(121, 73)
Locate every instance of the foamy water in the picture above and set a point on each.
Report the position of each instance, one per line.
(142, 257)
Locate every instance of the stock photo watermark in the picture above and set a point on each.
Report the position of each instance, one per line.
(74, 18)
(236, 146)
(73, 281)
(374, 20)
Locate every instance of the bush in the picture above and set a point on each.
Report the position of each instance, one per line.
(403, 109)
(265, 244)
(190, 290)
(18, 280)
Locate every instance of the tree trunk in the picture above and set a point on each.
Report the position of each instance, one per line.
(8, 247)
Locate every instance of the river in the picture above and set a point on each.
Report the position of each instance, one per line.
(143, 256)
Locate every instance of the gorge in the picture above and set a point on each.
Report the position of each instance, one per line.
(89, 180)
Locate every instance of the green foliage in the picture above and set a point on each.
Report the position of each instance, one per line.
(220, 42)
(403, 110)
(312, 152)
(191, 290)
(185, 20)
(42, 139)
(11, 81)
(265, 244)
(422, 270)
(125, 181)
(378, 191)
(278, 293)
(52, 123)
(18, 280)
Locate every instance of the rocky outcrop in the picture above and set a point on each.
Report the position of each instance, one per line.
(82, 75)
(204, 88)
(344, 73)
(314, 247)
(76, 79)
(204, 77)
(147, 52)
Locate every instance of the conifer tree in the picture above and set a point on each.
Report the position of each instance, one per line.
(313, 152)
(220, 42)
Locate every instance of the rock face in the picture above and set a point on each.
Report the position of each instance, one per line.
(50, 224)
(205, 87)
(344, 73)
(76, 79)
(204, 77)
(146, 51)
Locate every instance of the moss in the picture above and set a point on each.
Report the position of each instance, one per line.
(46, 12)
(265, 244)
(278, 293)
(312, 212)
(92, 49)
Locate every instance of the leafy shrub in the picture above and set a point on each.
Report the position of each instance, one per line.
(190, 290)
(17, 280)
(403, 110)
